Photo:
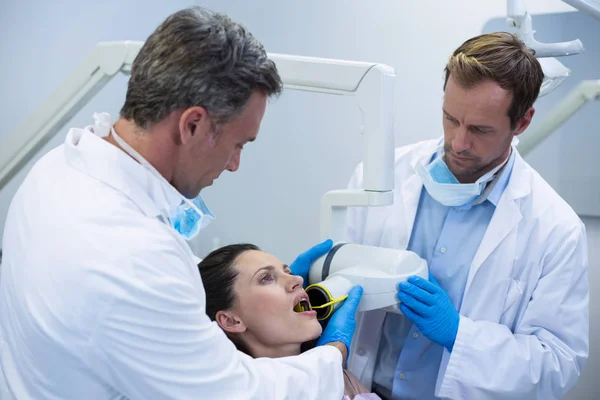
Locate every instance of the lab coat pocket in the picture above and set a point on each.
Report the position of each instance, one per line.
(511, 302)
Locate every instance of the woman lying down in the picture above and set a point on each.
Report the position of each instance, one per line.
(252, 295)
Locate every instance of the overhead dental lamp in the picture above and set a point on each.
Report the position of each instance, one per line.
(378, 269)
(554, 71)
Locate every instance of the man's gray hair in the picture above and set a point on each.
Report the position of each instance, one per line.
(197, 57)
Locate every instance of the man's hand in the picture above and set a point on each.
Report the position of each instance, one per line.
(302, 264)
(428, 306)
(342, 324)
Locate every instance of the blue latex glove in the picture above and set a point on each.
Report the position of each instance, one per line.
(428, 306)
(302, 264)
(342, 323)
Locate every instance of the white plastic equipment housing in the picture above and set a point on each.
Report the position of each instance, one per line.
(378, 270)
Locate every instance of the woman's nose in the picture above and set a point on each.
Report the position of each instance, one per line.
(294, 282)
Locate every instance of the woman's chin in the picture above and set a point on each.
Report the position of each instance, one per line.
(315, 330)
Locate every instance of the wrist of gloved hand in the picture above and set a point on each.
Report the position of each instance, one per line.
(342, 323)
(301, 265)
(428, 306)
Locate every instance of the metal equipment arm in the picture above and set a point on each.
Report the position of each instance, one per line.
(584, 92)
(591, 7)
(518, 17)
(78, 88)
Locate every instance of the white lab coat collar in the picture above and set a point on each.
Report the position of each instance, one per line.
(505, 218)
(94, 156)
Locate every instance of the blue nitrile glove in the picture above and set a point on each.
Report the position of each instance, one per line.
(342, 323)
(428, 306)
(302, 264)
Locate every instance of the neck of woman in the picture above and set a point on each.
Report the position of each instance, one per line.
(259, 350)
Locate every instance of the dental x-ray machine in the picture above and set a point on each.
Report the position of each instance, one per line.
(378, 270)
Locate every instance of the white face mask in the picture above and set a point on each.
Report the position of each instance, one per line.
(191, 216)
(442, 185)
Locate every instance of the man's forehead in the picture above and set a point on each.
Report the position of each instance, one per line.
(478, 106)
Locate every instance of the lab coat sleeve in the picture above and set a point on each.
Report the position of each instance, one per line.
(544, 356)
(156, 342)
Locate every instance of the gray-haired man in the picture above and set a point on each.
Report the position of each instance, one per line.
(100, 296)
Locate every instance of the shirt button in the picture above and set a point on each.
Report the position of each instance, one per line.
(443, 250)
(402, 375)
(416, 335)
(361, 352)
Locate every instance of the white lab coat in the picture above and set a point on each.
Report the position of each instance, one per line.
(101, 299)
(523, 331)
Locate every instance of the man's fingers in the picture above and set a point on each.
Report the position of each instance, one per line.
(420, 294)
(413, 303)
(410, 314)
(424, 284)
(351, 303)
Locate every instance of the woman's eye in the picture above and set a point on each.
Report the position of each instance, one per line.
(266, 278)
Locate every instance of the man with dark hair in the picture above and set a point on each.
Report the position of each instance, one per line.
(504, 314)
(100, 296)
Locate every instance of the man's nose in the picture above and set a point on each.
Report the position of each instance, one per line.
(461, 141)
(234, 162)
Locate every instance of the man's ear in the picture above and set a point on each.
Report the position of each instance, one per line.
(524, 122)
(194, 124)
(230, 322)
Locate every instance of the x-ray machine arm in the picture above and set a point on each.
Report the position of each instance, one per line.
(370, 83)
(577, 98)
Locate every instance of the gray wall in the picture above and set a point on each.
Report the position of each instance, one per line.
(309, 143)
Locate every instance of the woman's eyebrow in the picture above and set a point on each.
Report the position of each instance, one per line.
(268, 267)
(285, 268)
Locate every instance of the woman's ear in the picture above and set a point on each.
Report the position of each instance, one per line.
(230, 322)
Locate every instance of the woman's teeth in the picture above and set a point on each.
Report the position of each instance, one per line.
(302, 306)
